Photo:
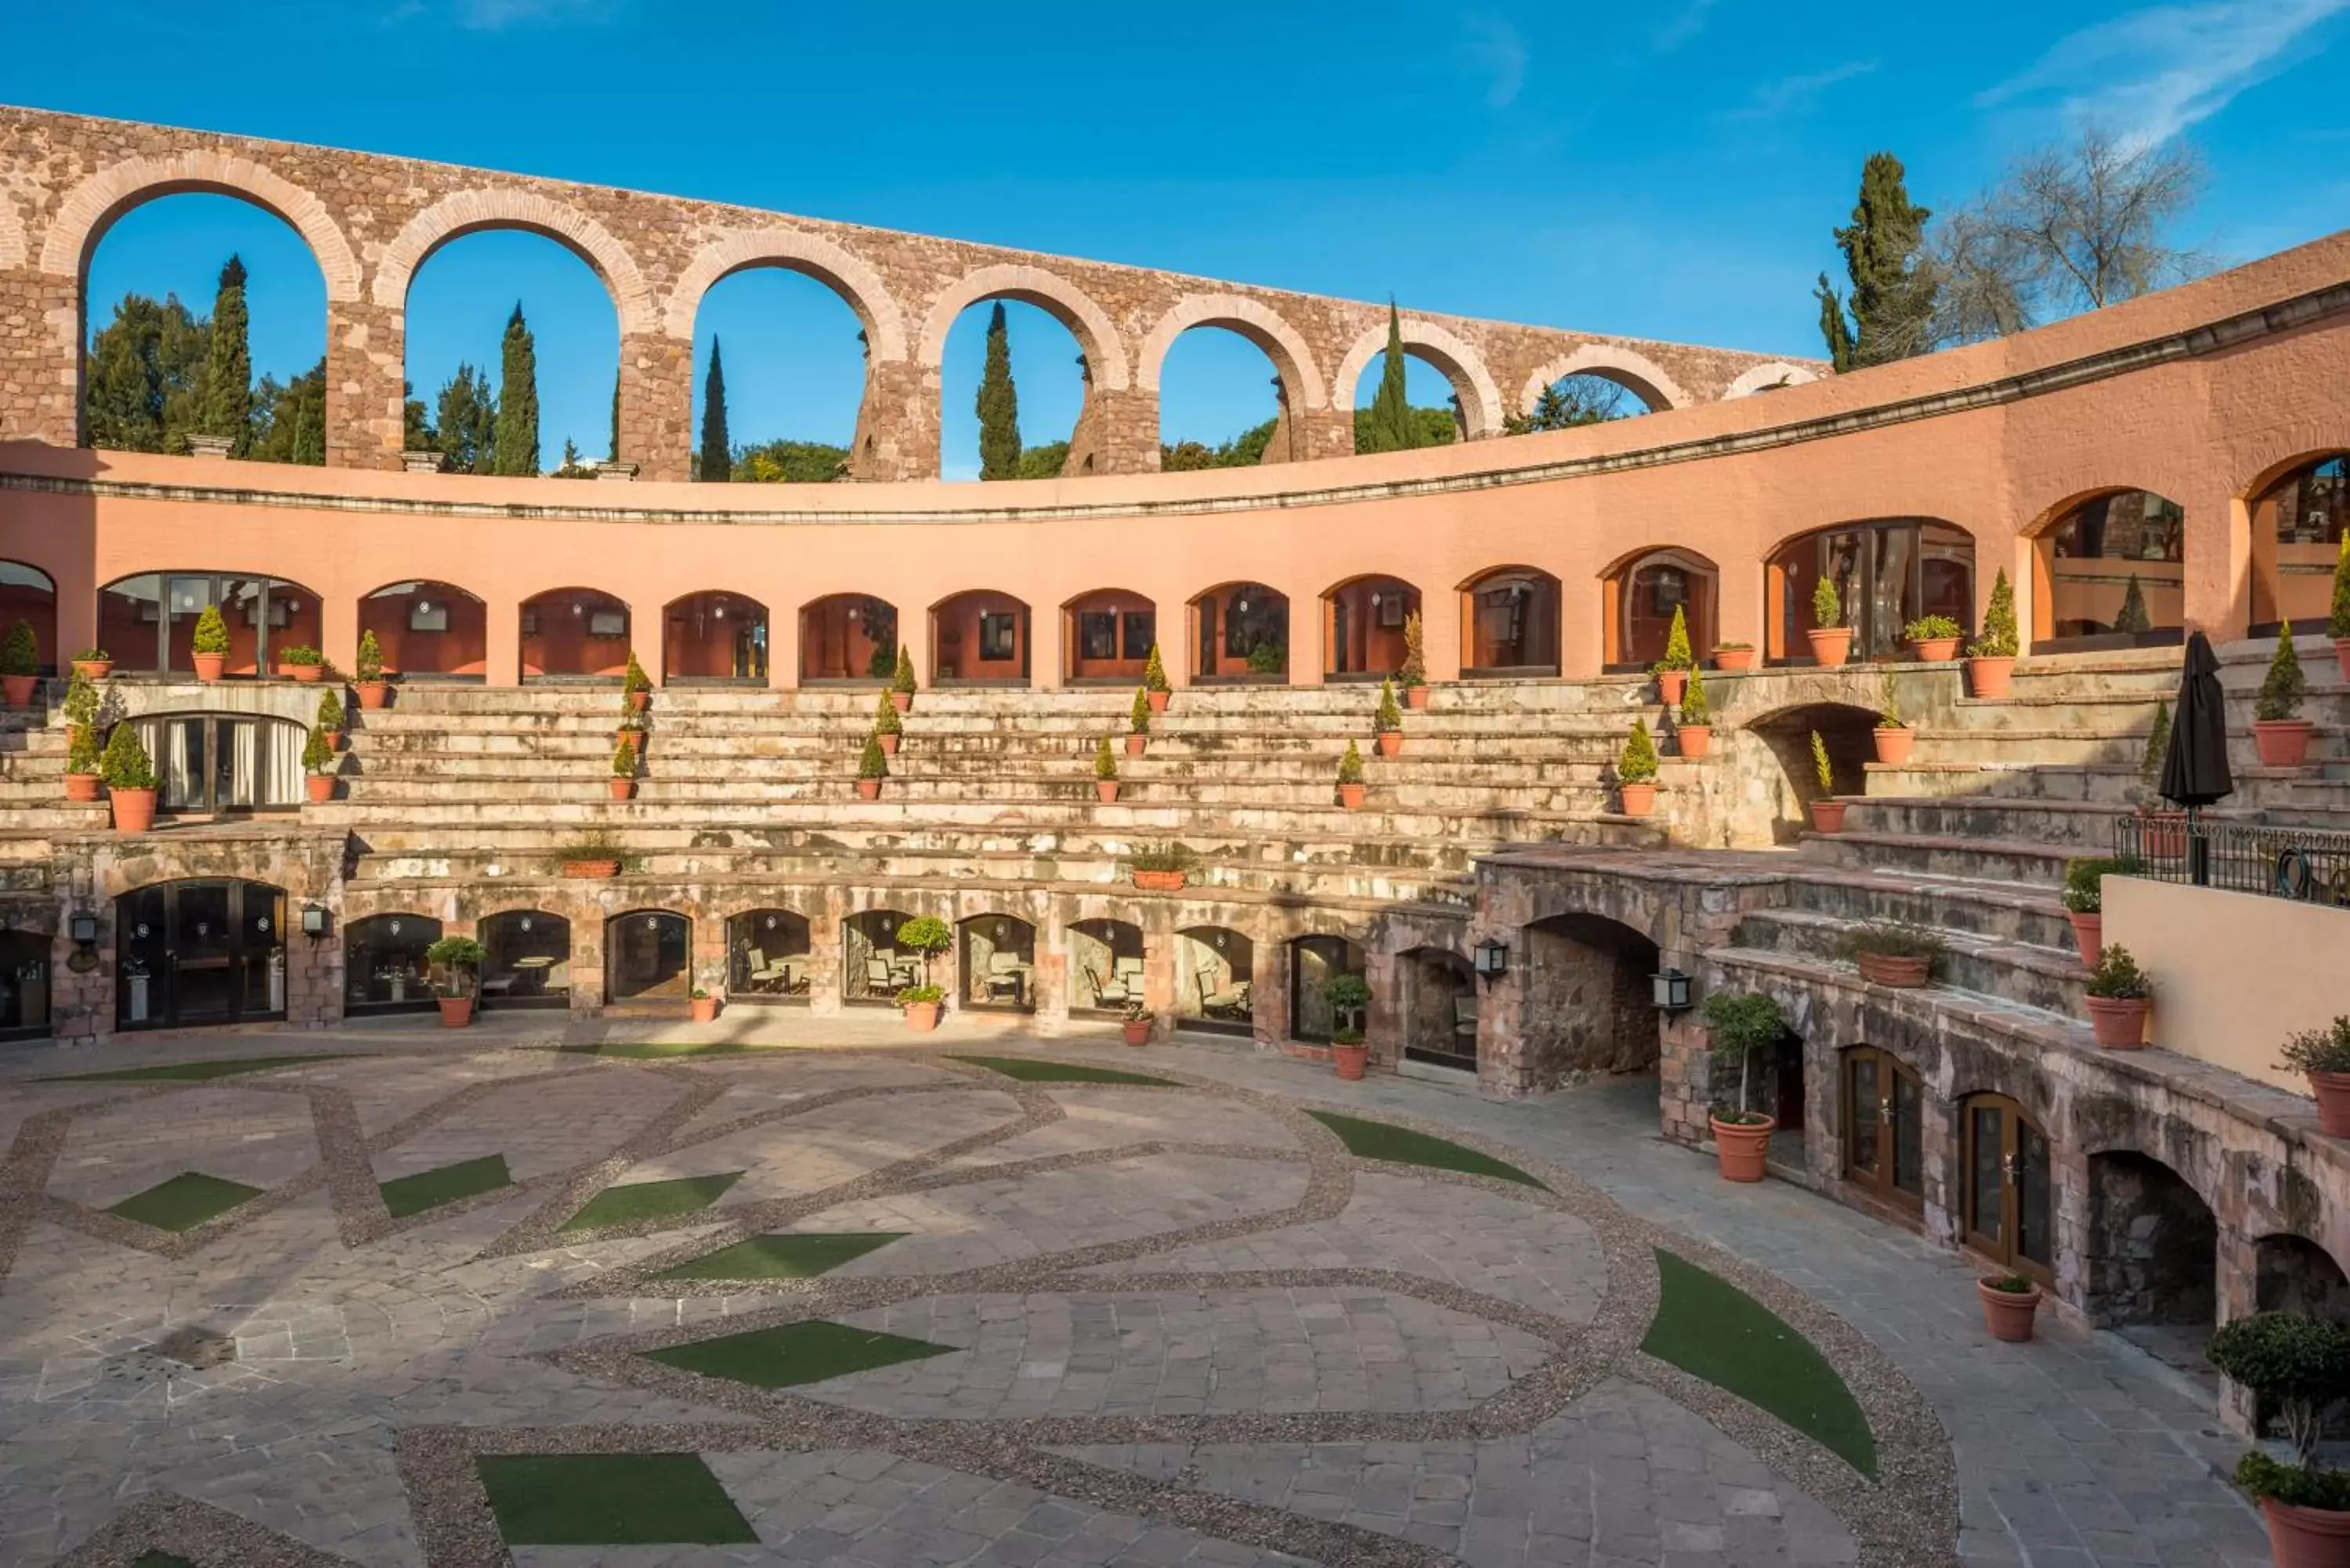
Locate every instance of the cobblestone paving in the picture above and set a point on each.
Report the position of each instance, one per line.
(1185, 1326)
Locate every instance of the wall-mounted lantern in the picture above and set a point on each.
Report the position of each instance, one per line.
(316, 920)
(1490, 959)
(1671, 989)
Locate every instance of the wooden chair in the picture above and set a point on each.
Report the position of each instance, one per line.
(1110, 995)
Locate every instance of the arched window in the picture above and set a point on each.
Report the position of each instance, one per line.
(2297, 527)
(2010, 1202)
(1884, 1129)
(212, 763)
(1439, 1010)
(1888, 573)
(998, 962)
(2111, 573)
(1104, 965)
(28, 593)
(715, 637)
(873, 969)
(979, 639)
(1642, 596)
(1241, 632)
(199, 953)
(384, 968)
(1363, 626)
(149, 622)
(1314, 963)
(527, 959)
(1106, 637)
(1509, 624)
(768, 957)
(570, 633)
(427, 629)
(648, 957)
(848, 638)
(1214, 980)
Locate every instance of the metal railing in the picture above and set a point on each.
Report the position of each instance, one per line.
(2308, 863)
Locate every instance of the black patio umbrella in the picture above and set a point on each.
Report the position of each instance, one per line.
(2195, 769)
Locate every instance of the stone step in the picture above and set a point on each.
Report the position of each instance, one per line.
(2111, 784)
(1595, 693)
(1996, 911)
(2031, 976)
(2018, 863)
(2089, 826)
(754, 792)
(2033, 1026)
(1518, 761)
(663, 763)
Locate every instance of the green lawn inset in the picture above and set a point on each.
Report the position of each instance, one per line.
(185, 1201)
(1711, 1329)
(793, 1255)
(652, 1200)
(194, 1072)
(650, 1050)
(796, 1352)
(1385, 1140)
(407, 1195)
(1029, 1071)
(610, 1500)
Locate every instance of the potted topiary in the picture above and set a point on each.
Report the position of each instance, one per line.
(1161, 867)
(2297, 1364)
(2084, 900)
(923, 936)
(872, 767)
(1134, 1022)
(2160, 833)
(1154, 682)
(330, 719)
(1935, 636)
(1991, 658)
(1350, 778)
(130, 778)
(636, 686)
(1694, 732)
(888, 728)
(1105, 773)
(1386, 720)
(2120, 996)
(2325, 1055)
(1897, 954)
(2010, 1302)
(1893, 734)
(1731, 656)
(633, 731)
(901, 681)
(1831, 639)
(1413, 676)
(1138, 723)
(2278, 728)
(95, 663)
(705, 1006)
(1828, 812)
(372, 688)
(208, 644)
(624, 771)
(1348, 995)
(460, 960)
(301, 663)
(2337, 623)
(80, 711)
(1740, 1023)
(20, 664)
(1672, 670)
(1267, 659)
(319, 765)
(1635, 772)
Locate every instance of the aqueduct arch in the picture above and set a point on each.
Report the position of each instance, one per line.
(1628, 367)
(1472, 383)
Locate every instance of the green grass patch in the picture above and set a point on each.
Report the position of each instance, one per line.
(652, 1200)
(796, 1352)
(1711, 1329)
(610, 1500)
(194, 1071)
(796, 1255)
(1030, 1071)
(1385, 1140)
(655, 1050)
(408, 1195)
(185, 1201)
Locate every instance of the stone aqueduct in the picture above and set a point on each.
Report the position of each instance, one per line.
(372, 221)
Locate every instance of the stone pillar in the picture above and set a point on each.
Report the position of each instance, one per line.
(340, 615)
(1160, 980)
(1740, 606)
(897, 424)
(502, 655)
(1308, 620)
(1320, 433)
(1117, 432)
(1440, 630)
(1044, 634)
(40, 359)
(1269, 983)
(366, 386)
(657, 403)
(824, 908)
(1049, 981)
(2219, 568)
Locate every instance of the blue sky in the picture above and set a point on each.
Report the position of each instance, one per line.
(1668, 171)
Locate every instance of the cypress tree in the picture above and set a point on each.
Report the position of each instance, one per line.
(717, 453)
(998, 405)
(1392, 427)
(228, 369)
(1892, 297)
(615, 453)
(518, 420)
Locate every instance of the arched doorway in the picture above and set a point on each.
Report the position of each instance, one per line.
(2008, 1204)
(384, 967)
(1587, 999)
(575, 633)
(2151, 1258)
(526, 960)
(998, 962)
(1314, 963)
(1883, 1119)
(2110, 572)
(1214, 980)
(648, 957)
(714, 638)
(24, 985)
(979, 639)
(1888, 573)
(1104, 965)
(847, 639)
(2294, 1274)
(1239, 631)
(768, 957)
(29, 595)
(1363, 626)
(1106, 637)
(1642, 592)
(1439, 1010)
(1847, 733)
(427, 629)
(212, 764)
(873, 971)
(1509, 624)
(198, 952)
(149, 622)
(2298, 521)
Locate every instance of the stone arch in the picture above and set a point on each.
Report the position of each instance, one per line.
(506, 207)
(1480, 399)
(90, 208)
(839, 269)
(1106, 357)
(1628, 369)
(1766, 378)
(1291, 355)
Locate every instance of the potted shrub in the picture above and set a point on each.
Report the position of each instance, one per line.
(319, 765)
(1831, 639)
(1348, 995)
(1935, 636)
(1350, 778)
(872, 767)
(1893, 734)
(1161, 867)
(591, 857)
(888, 728)
(2325, 1055)
(2084, 900)
(1413, 676)
(1105, 773)
(1635, 772)
(1154, 682)
(1672, 670)
(1899, 954)
(923, 936)
(624, 771)
(1135, 1023)
(705, 1006)
(2010, 1302)
(1694, 732)
(1386, 720)
(130, 778)
(1267, 659)
(373, 687)
(2120, 996)
(95, 663)
(1828, 812)
(636, 686)
(301, 663)
(208, 644)
(2337, 622)
(331, 718)
(2297, 1364)
(1991, 658)
(2162, 831)
(80, 711)
(1730, 655)
(1138, 723)
(1738, 1025)
(460, 960)
(2278, 728)
(632, 732)
(20, 665)
(901, 681)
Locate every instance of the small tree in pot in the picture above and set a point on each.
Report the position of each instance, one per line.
(1694, 731)
(318, 763)
(2297, 1364)
(1105, 773)
(1386, 720)
(331, 719)
(20, 664)
(1831, 639)
(1672, 671)
(1991, 658)
(888, 728)
(1154, 682)
(923, 936)
(1635, 772)
(368, 678)
(636, 686)
(81, 710)
(1893, 734)
(624, 771)
(1828, 812)
(1138, 723)
(901, 681)
(2085, 900)
(2161, 833)
(459, 960)
(872, 767)
(1350, 778)
(1935, 636)
(130, 777)
(2120, 995)
(1349, 996)
(208, 644)
(2279, 730)
(2325, 1055)
(1413, 676)
(1739, 1024)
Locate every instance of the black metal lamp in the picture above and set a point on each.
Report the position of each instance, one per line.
(316, 920)
(82, 927)
(1671, 989)
(1490, 959)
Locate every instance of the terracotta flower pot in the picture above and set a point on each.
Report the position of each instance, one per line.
(82, 787)
(208, 665)
(1137, 1031)
(1990, 678)
(1636, 799)
(1740, 1148)
(2162, 835)
(1937, 649)
(1671, 684)
(921, 1017)
(1390, 742)
(1696, 740)
(17, 690)
(2306, 1537)
(1135, 744)
(2089, 936)
(134, 809)
(2118, 1021)
(869, 789)
(1898, 971)
(591, 871)
(1831, 646)
(1106, 789)
(456, 1012)
(2008, 1314)
(623, 789)
(373, 693)
(93, 669)
(1417, 696)
(1350, 796)
(1893, 744)
(888, 741)
(705, 1009)
(334, 740)
(307, 674)
(903, 700)
(2333, 1092)
(640, 701)
(321, 787)
(1733, 658)
(1827, 815)
(1157, 701)
(1158, 881)
(1350, 1061)
(2283, 742)
(2342, 655)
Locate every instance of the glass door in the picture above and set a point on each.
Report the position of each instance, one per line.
(203, 981)
(2010, 1197)
(1883, 1127)
(261, 948)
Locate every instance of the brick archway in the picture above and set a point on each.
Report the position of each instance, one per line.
(1472, 383)
(1283, 344)
(469, 211)
(1635, 372)
(839, 269)
(91, 208)
(1106, 355)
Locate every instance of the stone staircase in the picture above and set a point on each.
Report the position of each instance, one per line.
(33, 804)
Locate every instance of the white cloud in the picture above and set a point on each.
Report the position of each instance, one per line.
(2151, 74)
(1772, 99)
(1494, 50)
(1687, 25)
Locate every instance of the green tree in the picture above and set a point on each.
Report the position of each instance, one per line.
(573, 466)
(717, 464)
(998, 405)
(1892, 291)
(1570, 401)
(1431, 427)
(289, 421)
(228, 371)
(1043, 462)
(614, 455)
(1245, 449)
(1391, 427)
(145, 375)
(468, 422)
(517, 439)
(416, 432)
(790, 463)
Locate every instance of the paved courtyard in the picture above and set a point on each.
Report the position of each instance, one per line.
(455, 1301)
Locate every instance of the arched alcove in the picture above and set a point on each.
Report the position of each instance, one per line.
(1640, 595)
(526, 960)
(1104, 965)
(1107, 636)
(1888, 572)
(847, 639)
(979, 637)
(1363, 621)
(1509, 624)
(715, 637)
(384, 967)
(996, 958)
(574, 634)
(147, 622)
(769, 957)
(1239, 631)
(2109, 570)
(430, 629)
(1215, 968)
